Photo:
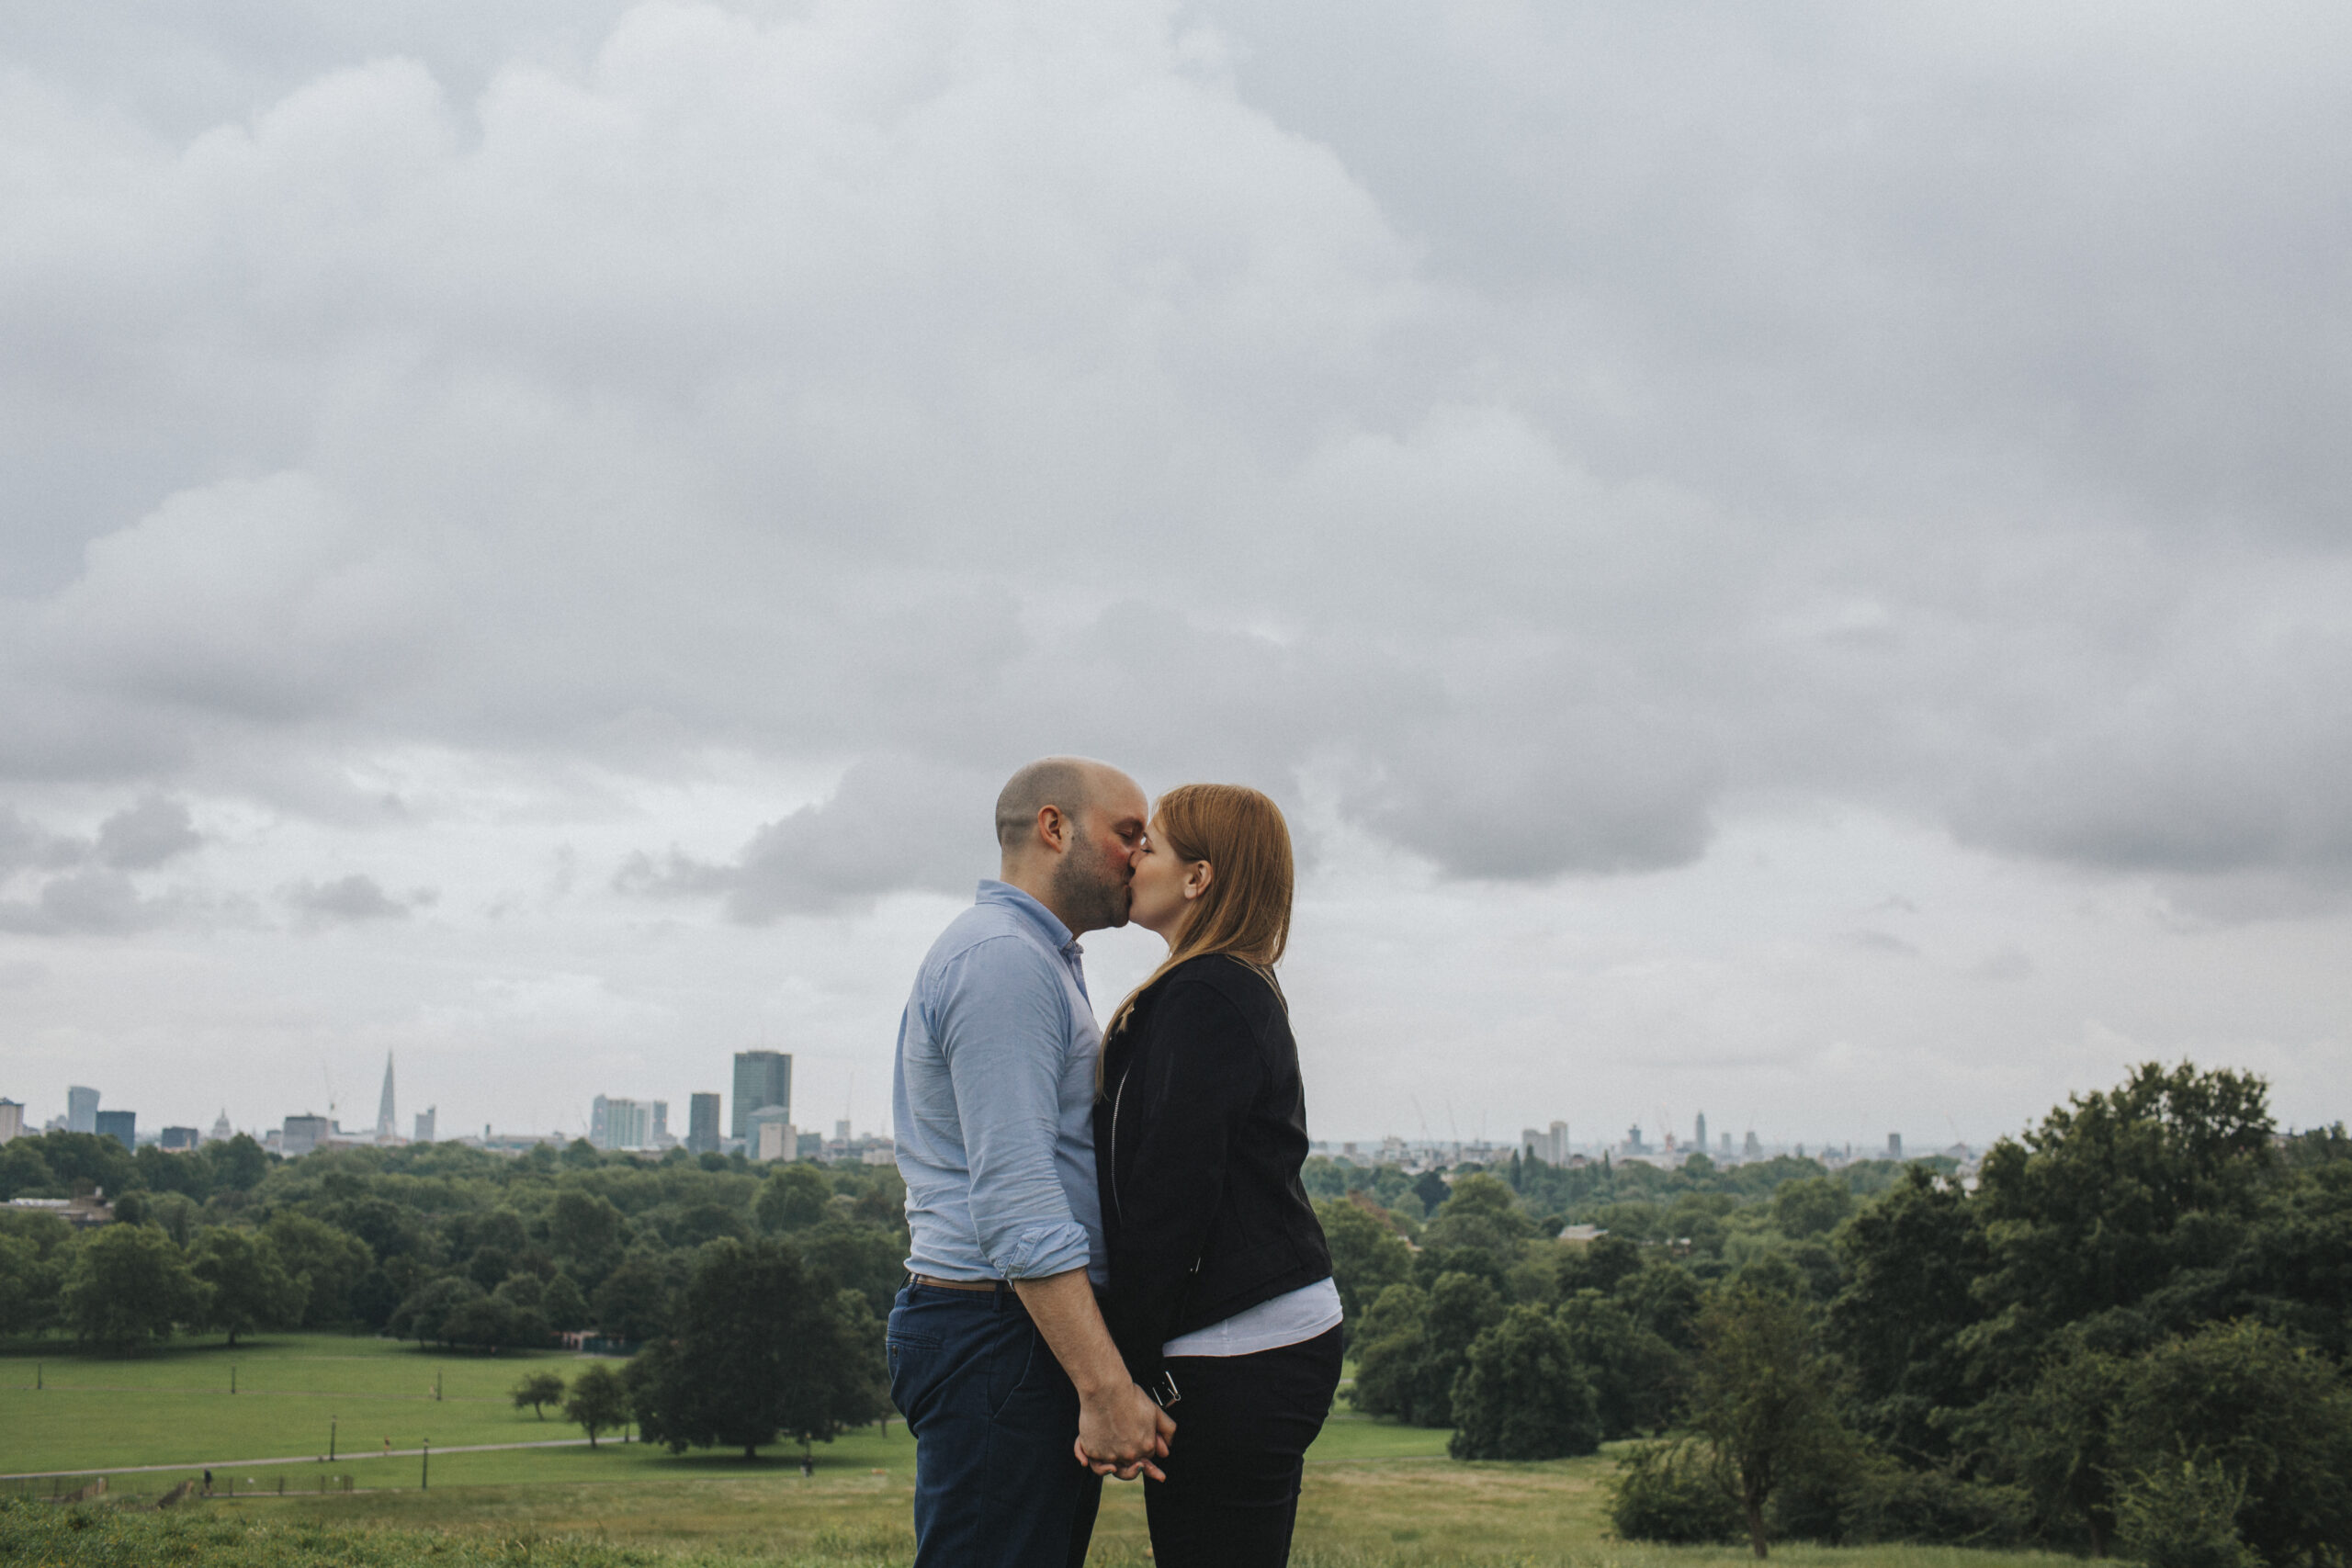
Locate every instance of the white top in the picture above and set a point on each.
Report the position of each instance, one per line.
(1291, 1319)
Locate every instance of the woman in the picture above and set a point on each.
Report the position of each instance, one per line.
(1221, 1295)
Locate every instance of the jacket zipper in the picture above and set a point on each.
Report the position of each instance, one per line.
(1117, 1207)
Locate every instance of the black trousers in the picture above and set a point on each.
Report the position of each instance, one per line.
(1242, 1427)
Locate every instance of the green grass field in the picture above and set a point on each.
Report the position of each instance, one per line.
(1376, 1494)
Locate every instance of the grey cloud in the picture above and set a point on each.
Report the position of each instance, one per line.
(1883, 941)
(1669, 415)
(26, 846)
(146, 835)
(347, 901)
(892, 825)
(87, 902)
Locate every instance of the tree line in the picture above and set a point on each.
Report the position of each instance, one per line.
(2128, 1332)
(756, 1295)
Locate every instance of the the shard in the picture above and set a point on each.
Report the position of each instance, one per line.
(384, 1121)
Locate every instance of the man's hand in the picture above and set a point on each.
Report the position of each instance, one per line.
(1120, 1433)
(1120, 1430)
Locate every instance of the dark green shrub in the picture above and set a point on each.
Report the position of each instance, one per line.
(2183, 1516)
(1669, 1492)
(1886, 1503)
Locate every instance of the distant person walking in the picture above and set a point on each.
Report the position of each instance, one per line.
(208, 1484)
(997, 1351)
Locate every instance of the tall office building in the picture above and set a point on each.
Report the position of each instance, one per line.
(303, 1134)
(177, 1140)
(122, 1126)
(1751, 1149)
(1698, 1138)
(81, 1110)
(702, 1124)
(387, 1122)
(661, 1124)
(425, 1119)
(762, 1079)
(621, 1123)
(12, 1120)
(1551, 1147)
(1895, 1145)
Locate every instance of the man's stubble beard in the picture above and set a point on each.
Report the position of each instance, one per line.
(1094, 891)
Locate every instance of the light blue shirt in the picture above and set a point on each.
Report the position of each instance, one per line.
(993, 1099)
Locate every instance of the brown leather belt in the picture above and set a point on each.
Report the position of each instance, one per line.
(989, 1285)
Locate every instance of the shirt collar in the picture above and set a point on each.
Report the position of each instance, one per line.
(1059, 937)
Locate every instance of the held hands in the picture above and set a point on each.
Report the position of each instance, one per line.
(1121, 1432)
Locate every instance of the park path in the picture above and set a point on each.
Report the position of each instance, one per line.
(352, 1458)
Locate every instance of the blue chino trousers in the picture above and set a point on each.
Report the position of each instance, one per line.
(993, 1417)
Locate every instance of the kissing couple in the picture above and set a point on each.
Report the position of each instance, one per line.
(1113, 1267)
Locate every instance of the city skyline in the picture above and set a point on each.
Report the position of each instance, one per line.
(1598, 1136)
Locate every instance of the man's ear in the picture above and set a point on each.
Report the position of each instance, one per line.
(1053, 827)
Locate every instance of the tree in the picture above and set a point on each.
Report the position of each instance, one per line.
(598, 1402)
(1762, 1399)
(1387, 1345)
(539, 1391)
(1898, 1321)
(79, 1161)
(23, 1173)
(328, 1262)
(863, 1258)
(2269, 1412)
(1521, 1395)
(249, 1287)
(238, 1165)
(127, 1286)
(1480, 1230)
(1668, 1491)
(765, 1346)
(564, 1307)
(2057, 1437)
(589, 1232)
(1596, 1265)
(1367, 1255)
(2185, 1515)
(1415, 1341)
(424, 1314)
(2114, 1196)
(1637, 1378)
(28, 1286)
(793, 1198)
(633, 1303)
(35, 1251)
(1811, 1208)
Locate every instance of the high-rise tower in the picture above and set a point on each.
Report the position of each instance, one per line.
(762, 1079)
(386, 1121)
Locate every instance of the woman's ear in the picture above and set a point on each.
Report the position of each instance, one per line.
(1197, 880)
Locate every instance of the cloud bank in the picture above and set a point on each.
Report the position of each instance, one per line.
(1529, 442)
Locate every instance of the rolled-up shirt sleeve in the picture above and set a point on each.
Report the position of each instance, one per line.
(1003, 1025)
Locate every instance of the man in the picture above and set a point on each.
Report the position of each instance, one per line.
(997, 1351)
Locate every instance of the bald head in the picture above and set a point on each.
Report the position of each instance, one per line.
(1073, 784)
(1068, 828)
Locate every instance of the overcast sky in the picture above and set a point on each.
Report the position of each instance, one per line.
(1786, 561)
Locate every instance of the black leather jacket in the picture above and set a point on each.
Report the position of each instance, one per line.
(1198, 1139)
